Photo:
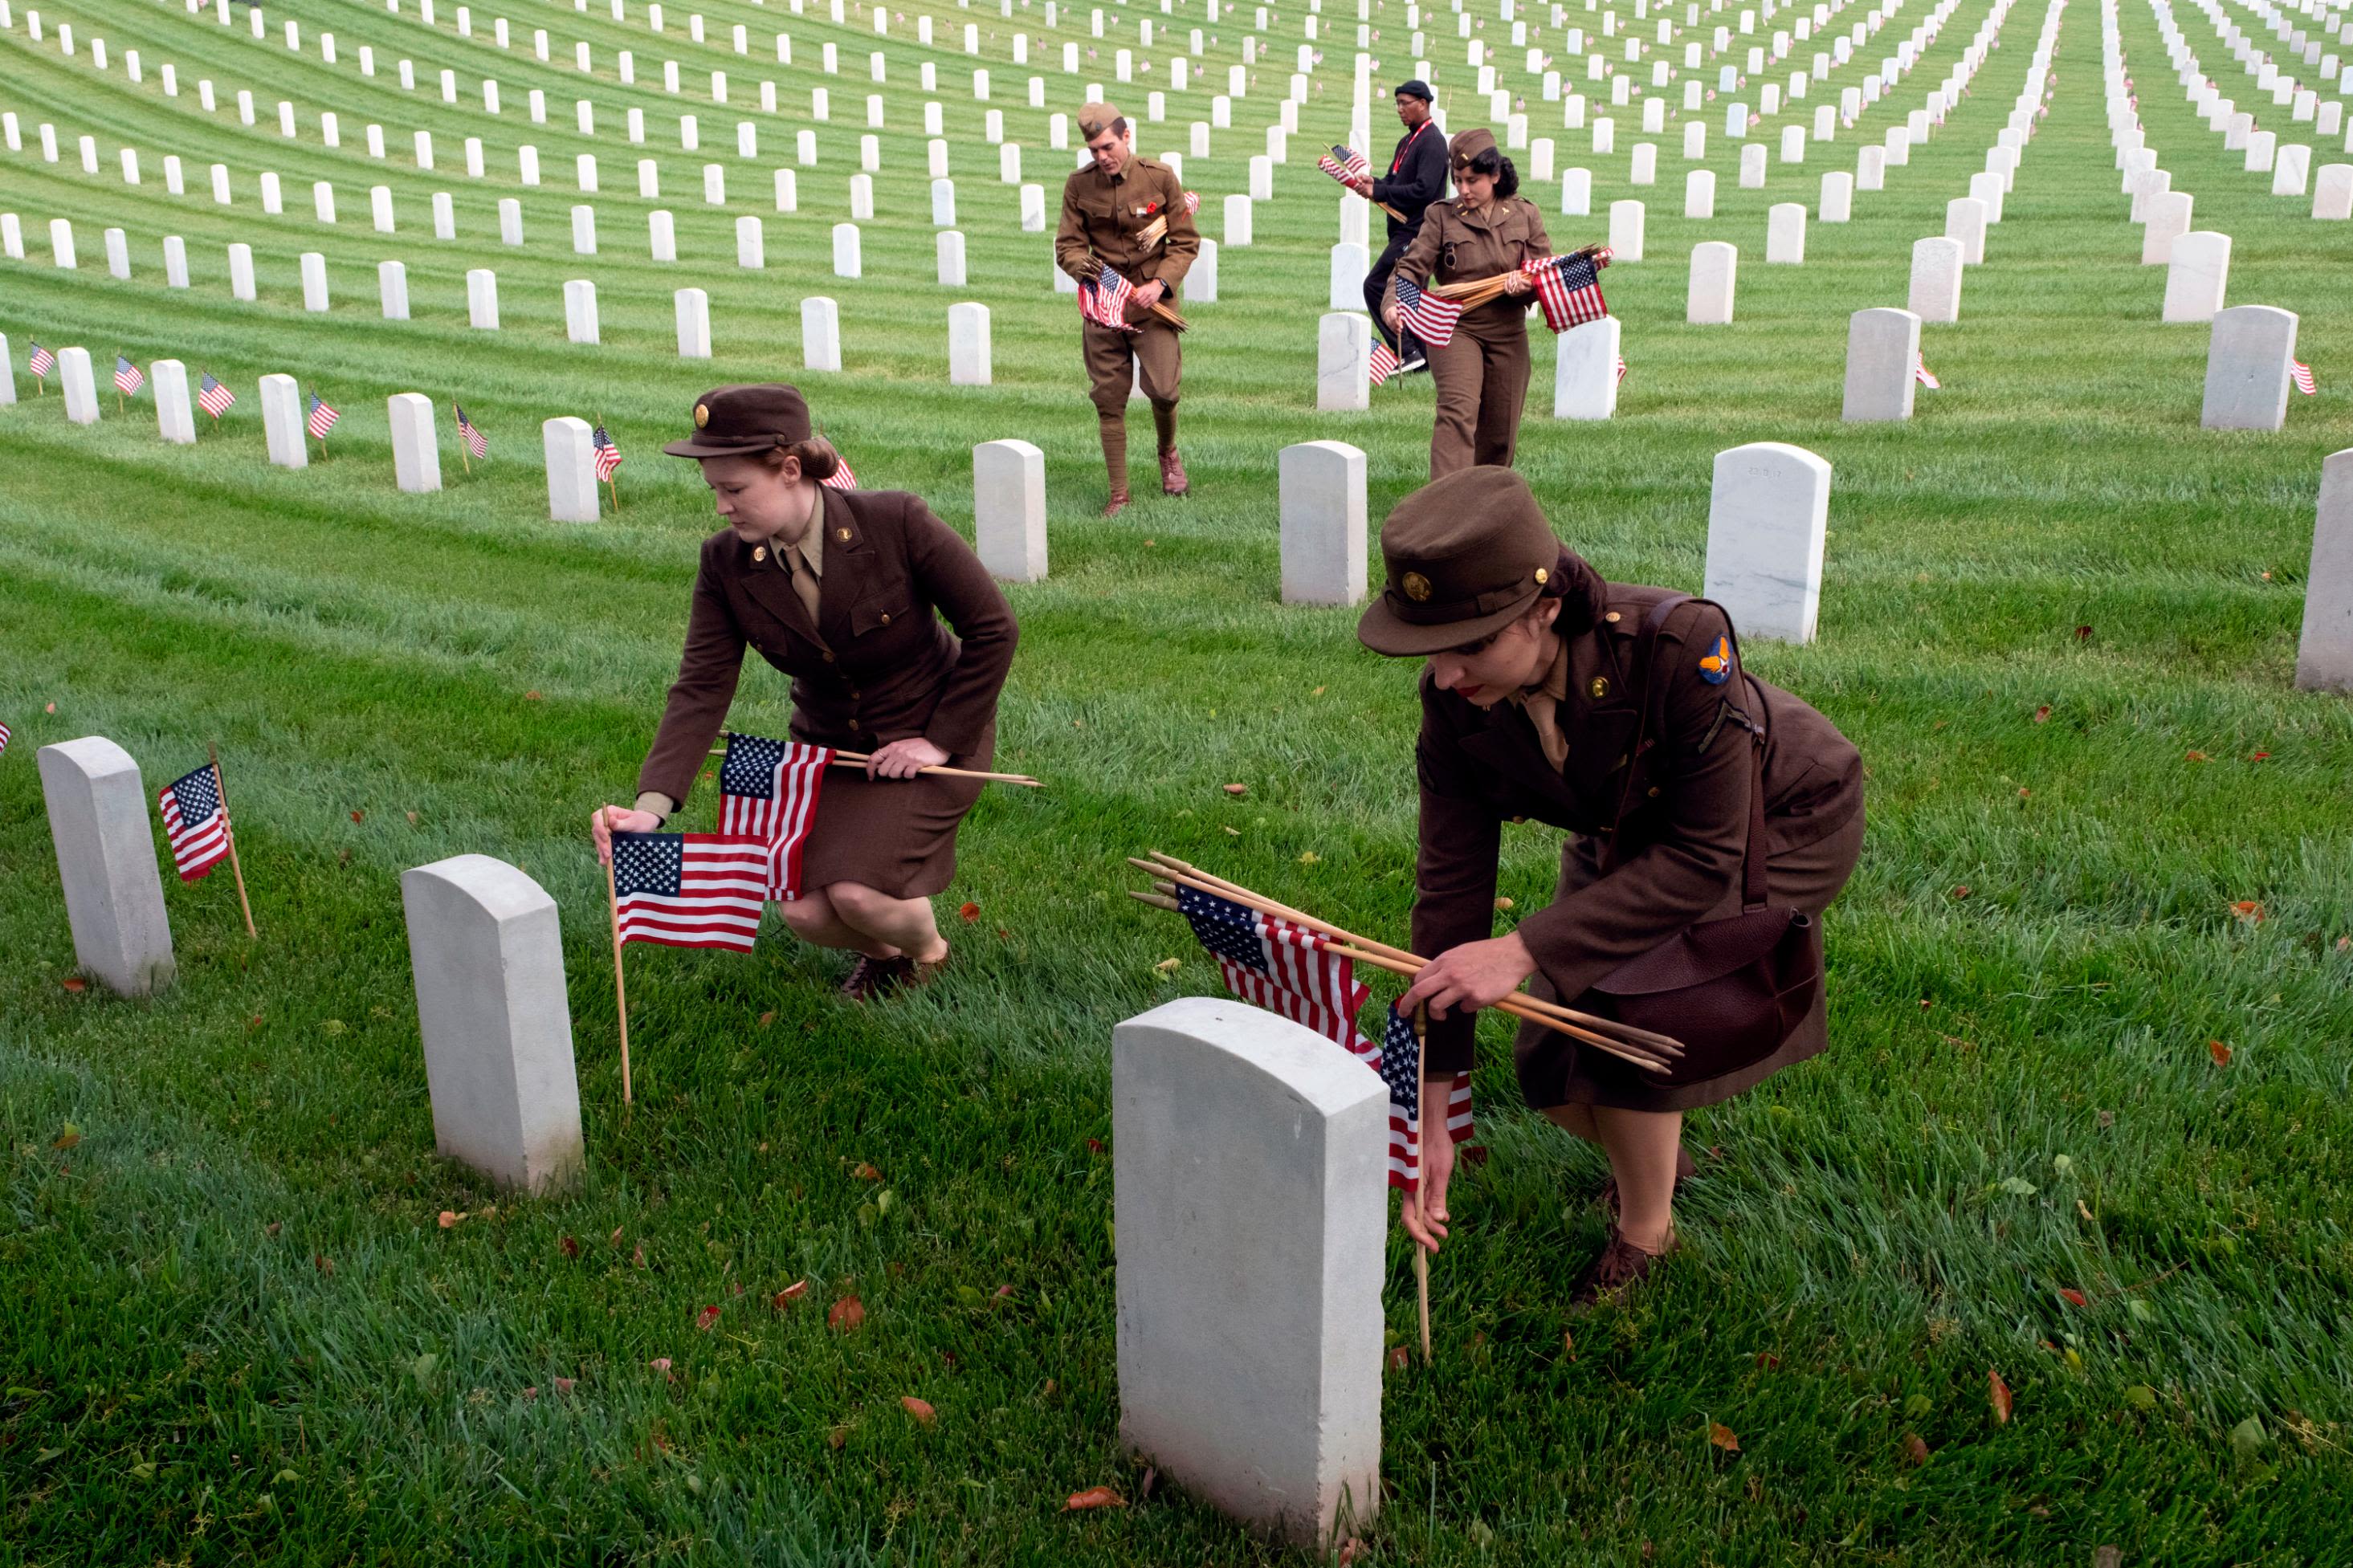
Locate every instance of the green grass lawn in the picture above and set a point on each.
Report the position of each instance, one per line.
(2059, 619)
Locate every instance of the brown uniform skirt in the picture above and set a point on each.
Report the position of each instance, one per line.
(1556, 1070)
(894, 835)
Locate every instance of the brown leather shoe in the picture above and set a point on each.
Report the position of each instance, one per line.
(1621, 1266)
(1117, 504)
(871, 979)
(1685, 1169)
(1173, 481)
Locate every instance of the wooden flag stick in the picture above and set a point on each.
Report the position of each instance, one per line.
(1422, 1178)
(463, 458)
(620, 993)
(228, 831)
(859, 759)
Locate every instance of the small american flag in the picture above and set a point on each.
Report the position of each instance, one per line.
(214, 397)
(1345, 165)
(128, 377)
(1923, 375)
(1384, 363)
(323, 418)
(609, 455)
(43, 364)
(4, 737)
(1192, 202)
(843, 477)
(1104, 300)
(689, 890)
(1285, 968)
(471, 433)
(1570, 289)
(195, 823)
(1621, 367)
(768, 791)
(1400, 1068)
(2302, 374)
(1426, 316)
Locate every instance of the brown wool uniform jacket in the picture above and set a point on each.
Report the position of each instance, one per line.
(1686, 822)
(1456, 244)
(1100, 217)
(876, 667)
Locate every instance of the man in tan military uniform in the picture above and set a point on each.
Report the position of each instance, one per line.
(1106, 207)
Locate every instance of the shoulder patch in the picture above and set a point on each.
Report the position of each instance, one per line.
(1715, 666)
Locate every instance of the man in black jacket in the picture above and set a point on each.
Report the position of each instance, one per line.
(1417, 177)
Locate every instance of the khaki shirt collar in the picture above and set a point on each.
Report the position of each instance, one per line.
(812, 544)
(1554, 683)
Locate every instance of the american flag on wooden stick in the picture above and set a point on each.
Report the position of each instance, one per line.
(1400, 1068)
(1285, 968)
(128, 377)
(1345, 165)
(689, 890)
(1384, 363)
(843, 477)
(213, 397)
(4, 737)
(609, 455)
(195, 822)
(1104, 300)
(1425, 315)
(1569, 288)
(2301, 373)
(42, 364)
(323, 418)
(471, 433)
(1621, 367)
(768, 791)
(1923, 375)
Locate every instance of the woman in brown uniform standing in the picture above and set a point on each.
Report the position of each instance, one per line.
(838, 589)
(1620, 714)
(1481, 373)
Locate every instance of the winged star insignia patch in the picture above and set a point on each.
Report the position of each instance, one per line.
(1716, 668)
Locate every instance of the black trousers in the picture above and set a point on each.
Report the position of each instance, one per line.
(1377, 286)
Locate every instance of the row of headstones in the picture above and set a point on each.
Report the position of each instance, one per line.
(1256, 1383)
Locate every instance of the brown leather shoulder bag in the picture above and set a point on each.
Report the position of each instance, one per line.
(1731, 990)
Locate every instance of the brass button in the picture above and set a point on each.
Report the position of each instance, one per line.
(842, 535)
(853, 723)
(1600, 688)
(759, 553)
(828, 655)
(1612, 617)
(1517, 819)
(855, 694)
(1654, 791)
(886, 618)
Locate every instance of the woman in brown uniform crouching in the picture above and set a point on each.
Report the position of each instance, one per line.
(1620, 714)
(838, 590)
(1481, 373)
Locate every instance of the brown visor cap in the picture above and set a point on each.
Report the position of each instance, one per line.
(731, 421)
(1466, 555)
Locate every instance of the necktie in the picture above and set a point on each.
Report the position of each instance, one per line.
(1542, 712)
(805, 582)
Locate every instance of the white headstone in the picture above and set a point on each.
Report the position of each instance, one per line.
(1785, 234)
(1714, 268)
(2169, 220)
(1577, 193)
(1585, 371)
(416, 446)
(1249, 1182)
(571, 451)
(580, 323)
(968, 355)
(1935, 293)
(2247, 368)
(240, 271)
(313, 266)
(2199, 276)
(1237, 220)
(488, 955)
(1752, 166)
(1838, 197)
(820, 333)
(61, 244)
(74, 374)
(662, 235)
(1321, 502)
(2324, 655)
(1343, 346)
(281, 421)
(1009, 509)
(1883, 355)
(691, 306)
(1767, 519)
(846, 258)
(1965, 225)
(483, 300)
(1625, 230)
(2332, 192)
(392, 290)
(1200, 287)
(1350, 263)
(176, 419)
(106, 861)
(1699, 194)
(118, 254)
(751, 243)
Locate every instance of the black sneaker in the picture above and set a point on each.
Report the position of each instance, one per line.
(1415, 359)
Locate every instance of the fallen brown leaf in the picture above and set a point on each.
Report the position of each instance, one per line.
(2083, 634)
(50, 709)
(638, 1259)
(75, 984)
(866, 1172)
(1998, 1395)
(359, 816)
(1237, 789)
(1093, 1497)
(2076, 1296)
(1961, 891)
(660, 1363)
(2042, 714)
(2220, 1052)
(322, 1263)
(68, 1138)
(531, 697)
(272, 1228)
(767, 1019)
(570, 1245)
(616, 1238)
(2249, 910)
(969, 911)
(1915, 1450)
(1723, 1438)
(1398, 1359)
(449, 1218)
(919, 1409)
(707, 1319)
(1094, 1145)
(1769, 1360)
(567, 1385)
(2196, 757)
(837, 1438)
(789, 1295)
(846, 1314)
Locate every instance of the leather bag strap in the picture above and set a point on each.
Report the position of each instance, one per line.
(1646, 648)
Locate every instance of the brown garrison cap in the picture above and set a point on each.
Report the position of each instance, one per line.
(1466, 556)
(1094, 118)
(730, 421)
(1468, 145)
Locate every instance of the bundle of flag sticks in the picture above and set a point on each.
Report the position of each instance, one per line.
(1651, 1052)
(1153, 232)
(1472, 292)
(859, 759)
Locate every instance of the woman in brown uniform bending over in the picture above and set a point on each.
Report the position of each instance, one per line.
(1481, 374)
(1542, 683)
(838, 589)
